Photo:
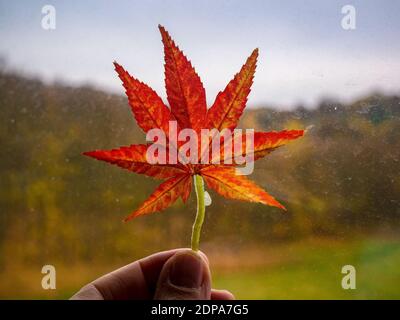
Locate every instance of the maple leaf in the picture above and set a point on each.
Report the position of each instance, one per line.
(187, 106)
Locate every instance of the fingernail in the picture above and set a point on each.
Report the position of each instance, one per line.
(187, 270)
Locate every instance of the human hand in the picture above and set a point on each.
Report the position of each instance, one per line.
(179, 274)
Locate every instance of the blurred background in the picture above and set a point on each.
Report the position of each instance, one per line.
(59, 96)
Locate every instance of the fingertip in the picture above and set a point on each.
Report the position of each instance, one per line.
(190, 251)
(204, 257)
(186, 275)
(222, 295)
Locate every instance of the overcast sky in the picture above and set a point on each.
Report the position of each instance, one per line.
(305, 54)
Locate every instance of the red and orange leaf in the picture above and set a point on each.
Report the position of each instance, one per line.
(264, 143)
(186, 189)
(185, 91)
(230, 103)
(164, 196)
(227, 183)
(149, 110)
(133, 158)
(187, 99)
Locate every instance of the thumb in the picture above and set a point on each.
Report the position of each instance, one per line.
(185, 276)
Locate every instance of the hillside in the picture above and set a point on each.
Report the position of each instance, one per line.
(340, 180)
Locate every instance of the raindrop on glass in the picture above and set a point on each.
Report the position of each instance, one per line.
(207, 199)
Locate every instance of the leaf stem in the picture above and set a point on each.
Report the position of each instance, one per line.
(199, 187)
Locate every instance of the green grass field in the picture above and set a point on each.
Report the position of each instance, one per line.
(302, 270)
(313, 271)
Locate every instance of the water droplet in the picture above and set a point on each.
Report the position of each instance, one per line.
(308, 128)
(207, 199)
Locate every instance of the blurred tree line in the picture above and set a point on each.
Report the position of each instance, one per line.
(342, 179)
